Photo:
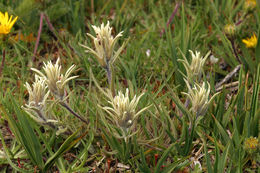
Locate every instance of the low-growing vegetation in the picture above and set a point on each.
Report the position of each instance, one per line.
(129, 86)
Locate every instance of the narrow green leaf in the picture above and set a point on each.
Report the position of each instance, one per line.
(253, 122)
(257, 49)
(223, 159)
(67, 145)
(222, 131)
(23, 130)
(209, 168)
(179, 103)
(163, 158)
(143, 165)
(179, 163)
(8, 157)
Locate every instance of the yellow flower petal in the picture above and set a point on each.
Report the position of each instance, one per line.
(6, 23)
(250, 42)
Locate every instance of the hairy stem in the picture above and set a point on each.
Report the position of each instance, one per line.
(172, 16)
(108, 70)
(110, 78)
(52, 29)
(73, 112)
(44, 119)
(3, 62)
(234, 50)
(38, 37)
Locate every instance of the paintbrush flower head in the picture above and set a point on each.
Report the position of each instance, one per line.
(123, 109)
(199, 97)
(104, 44)
(37, 93)
(194, 69)
(55, 80)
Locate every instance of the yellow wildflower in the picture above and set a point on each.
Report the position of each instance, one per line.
(6, 23)
(251, 144)
(250, 42)
(250, 5)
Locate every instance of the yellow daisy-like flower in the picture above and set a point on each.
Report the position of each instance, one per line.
(6, 23)
(250, 42)
(250, 5)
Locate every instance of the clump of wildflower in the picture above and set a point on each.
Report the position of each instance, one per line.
(55, 80)
(195, 68)
(199, 97)
(249, 5)
(230, 29)
(123, 110)
(6, 23)
(250, 42)
(104, 44)
(37, 99)
(251, 145)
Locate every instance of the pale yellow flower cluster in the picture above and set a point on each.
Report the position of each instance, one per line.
(195, 67)
(199, 97)
(37, 98)
(197, 94)
(230, 29)
(123, 110)
(55, 80)
(104, 44)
